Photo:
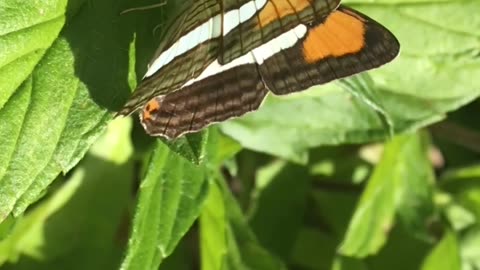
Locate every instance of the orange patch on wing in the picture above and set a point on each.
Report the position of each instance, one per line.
(152, 106)
(341, 34)
(276, 9)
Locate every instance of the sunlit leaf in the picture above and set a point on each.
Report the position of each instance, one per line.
(56, 102)
(82, 220)
(401, 183)
(445, 256)
(171, 195)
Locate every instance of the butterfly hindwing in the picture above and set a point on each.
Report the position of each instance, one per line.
(214, 97)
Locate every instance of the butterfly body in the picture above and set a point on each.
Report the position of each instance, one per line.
(225, 56)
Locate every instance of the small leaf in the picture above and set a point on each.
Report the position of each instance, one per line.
(214, 231)
(220, 148)
(463, 186)
(191, 146)
(470, 247)
(415, 207)
(171, 197)
(445, 256)
(404, 163)
(226, 240)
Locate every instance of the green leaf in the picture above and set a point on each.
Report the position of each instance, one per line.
(192, 146)
(226, 241)
(463, 186)
(459, 217)
(401, 183)
(445, 256)
(171, 196)
(6, 227)
(88, 211)
(55, 104)
(437, 71)
(214, 231)
(27, 30)
(415, 206)
(462, 209)
(220, 148)
(361, 86)
(470, 248)
(285, 126)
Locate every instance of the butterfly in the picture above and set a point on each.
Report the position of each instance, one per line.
(220, 58)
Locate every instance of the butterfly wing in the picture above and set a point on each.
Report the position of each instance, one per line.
(345, 43)
(280, 45)
(271, 19)
(219, 93)
(185, 52)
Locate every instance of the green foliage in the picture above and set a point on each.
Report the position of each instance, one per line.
(343, 176)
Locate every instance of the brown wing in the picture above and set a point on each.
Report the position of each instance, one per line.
(271, 20)
(172, 66)
(215, 98)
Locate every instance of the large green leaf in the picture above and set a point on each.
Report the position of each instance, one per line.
(83, 221)
(404, 168)
(64, 67)
(171, 195)
(56, 103)
(438, 70)
(27, 30)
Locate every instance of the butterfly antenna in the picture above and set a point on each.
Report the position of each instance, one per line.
(144, 7)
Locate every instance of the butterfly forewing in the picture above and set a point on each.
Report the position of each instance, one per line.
(271, 19)
(184, 53)
(345, 43)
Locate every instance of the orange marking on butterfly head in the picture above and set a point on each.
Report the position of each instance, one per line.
(151, 107)
(276, 9)
(342, 33)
